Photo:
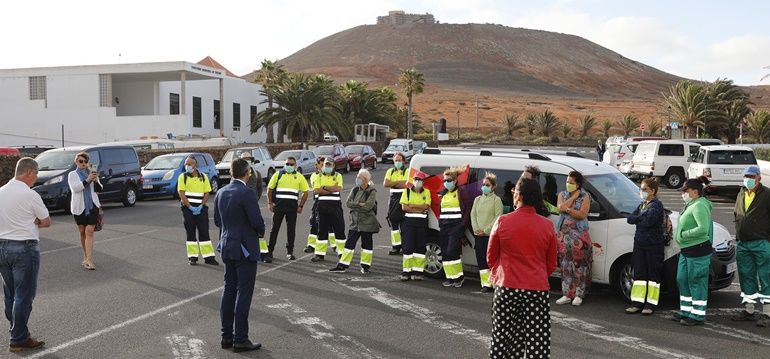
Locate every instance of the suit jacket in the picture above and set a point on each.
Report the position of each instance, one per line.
(237, 214)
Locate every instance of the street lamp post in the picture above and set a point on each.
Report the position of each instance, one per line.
(670, 130)
(458, 124)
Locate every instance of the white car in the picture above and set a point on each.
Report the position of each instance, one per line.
(724, 166)
(613, 196)
(617, 153)
(668, 159)
(263, 162)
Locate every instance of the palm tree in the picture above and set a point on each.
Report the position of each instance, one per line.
(271, 75)
(606, 128)
(759, 125)
(566, 129)
(547, 123)
(531, 123)
(628, 124)
(654, 128)
(512, 124)
(413, 83)
(687, 100)
(586, 124)
(728, 107)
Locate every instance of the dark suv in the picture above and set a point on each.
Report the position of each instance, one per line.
(118, 167)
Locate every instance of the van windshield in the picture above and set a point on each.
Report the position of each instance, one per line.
(619, 191)
(232, 155)
(55, 160)
(164, 163)
(396, 148)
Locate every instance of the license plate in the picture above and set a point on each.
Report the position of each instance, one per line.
(147, 186)
(733, 171)
(732, 267)
(224, 176)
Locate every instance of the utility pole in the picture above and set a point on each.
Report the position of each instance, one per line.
(477, 112)
(458, 123)
(62, 135)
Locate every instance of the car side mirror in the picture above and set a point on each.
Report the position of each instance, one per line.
(305, 159)
(256, 161)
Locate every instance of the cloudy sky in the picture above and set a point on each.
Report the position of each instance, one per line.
(695, 39)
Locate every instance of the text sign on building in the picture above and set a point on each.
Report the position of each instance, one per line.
(206, 70)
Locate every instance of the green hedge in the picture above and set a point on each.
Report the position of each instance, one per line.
(762, 154)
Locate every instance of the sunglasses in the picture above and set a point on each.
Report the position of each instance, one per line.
(82, 161)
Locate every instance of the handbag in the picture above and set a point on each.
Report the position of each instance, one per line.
(99, 220)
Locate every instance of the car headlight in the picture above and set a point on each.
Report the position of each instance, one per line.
(357, 158)
(54, 180)
(168, 175)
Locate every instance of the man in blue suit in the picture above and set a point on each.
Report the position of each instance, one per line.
(237, 214)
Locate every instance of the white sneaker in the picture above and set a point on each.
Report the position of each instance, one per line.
(563, 300)
(577, 301)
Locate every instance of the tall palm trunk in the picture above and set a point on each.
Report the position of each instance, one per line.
(269, 129)
(410, 134)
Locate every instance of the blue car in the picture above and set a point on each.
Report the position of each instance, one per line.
(161, 173)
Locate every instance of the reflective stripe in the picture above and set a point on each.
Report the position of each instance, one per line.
(484, 276)
(639, 291)
(207, 249)
(396, 190)
(702, 303)
(285, 189)
(418, 262)
(194, 194)
(195, 200)
(451, 216)
(285, 196)
(320, 247)
(346, 257)
(416, 215)
(328, 198)
(653, 292)
(366, 256)
(685, 299)
(263, 248)
(395, 238)
(406, 263)
(698, 312)
(311, 238)
(685, 308)
(450, 209)
(750, 299)
(192, 249)
(453, 269)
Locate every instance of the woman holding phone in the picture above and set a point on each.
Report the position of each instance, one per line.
(84, 184)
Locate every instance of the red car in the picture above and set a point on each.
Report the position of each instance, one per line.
(337, 152)
(8, 151)
(361, 156)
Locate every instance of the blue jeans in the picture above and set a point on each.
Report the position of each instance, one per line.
(236, 298)
(19, 266)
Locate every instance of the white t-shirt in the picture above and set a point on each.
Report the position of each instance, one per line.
(19, 207)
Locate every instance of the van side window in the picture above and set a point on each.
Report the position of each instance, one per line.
(257, 155)
(670, 150)
(552, 184)
(111, 156)
(128, 156)
(506, 181)
(94, 157)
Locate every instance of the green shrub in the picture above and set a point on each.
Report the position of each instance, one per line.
(762, 154)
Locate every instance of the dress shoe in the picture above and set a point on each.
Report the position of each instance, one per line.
(227, 343)
(267, 258)
(317, 258)
(290, 257)
(394, 252)
(28, 344)
(193, 261)
(487, 290)
(309, 249)
(211, 261)
(246, 346)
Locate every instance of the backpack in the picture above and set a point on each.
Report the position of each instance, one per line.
(668, 228)
(280, 174)
(366, 197)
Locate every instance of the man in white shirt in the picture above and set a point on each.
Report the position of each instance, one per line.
(22, 213)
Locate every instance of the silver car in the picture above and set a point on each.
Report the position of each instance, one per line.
(305, 160)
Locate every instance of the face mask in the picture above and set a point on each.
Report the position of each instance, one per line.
(749, 183)
(358, 182)
(643, 195)
(188, 168)
(328, 170)
(398, 164)
(417, 184)
(450, 185)
(486, 189)
(571, 187)
(289, 168)
(686, 197)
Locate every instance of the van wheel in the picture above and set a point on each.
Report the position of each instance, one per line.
(214, 185)
(129, 196)
(433, 256)
(623, 277)
(674, 178)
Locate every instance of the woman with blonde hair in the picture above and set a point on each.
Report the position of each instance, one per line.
(85, 206)
(452, 229)
(485, 211)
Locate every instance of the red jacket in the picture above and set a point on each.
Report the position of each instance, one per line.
(522, 250)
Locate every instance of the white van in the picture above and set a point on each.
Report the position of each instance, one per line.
(617, 153)
(724, 166)
(667, 159)
(612, 194)
(406, 147)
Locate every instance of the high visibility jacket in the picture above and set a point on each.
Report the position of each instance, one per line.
(411, 197)
(395, 175)
(194, 187)
(323, 180)
(287, 189)
(450, 205)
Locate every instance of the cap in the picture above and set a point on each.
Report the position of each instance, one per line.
(420, 176)
(752, 171)
(692, 183)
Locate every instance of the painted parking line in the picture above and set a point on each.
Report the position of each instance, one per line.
(144, 316)
(725, 329)
(100, 241)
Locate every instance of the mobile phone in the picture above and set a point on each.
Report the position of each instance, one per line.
(92, 167)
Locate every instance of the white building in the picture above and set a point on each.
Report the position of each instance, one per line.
(103, 103)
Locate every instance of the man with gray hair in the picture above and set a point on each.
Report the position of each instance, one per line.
(22, 213)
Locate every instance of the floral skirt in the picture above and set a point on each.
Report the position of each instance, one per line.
(575, 255)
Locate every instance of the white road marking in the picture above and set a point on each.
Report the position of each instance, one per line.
(101, 241)
(737, 333)
(139, 318)
(184, 347)
(343, 346)
(424, 315)
(709, 311)
(613, 336)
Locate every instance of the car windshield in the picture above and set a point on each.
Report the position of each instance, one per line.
(283, 156)
(731, 158)
(164, 163)
(619, 191)
(230, 155)
(55, 160)
(395, 148)
(324, 150)
(354, 149)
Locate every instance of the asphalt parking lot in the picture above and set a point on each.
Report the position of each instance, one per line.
(145, 301)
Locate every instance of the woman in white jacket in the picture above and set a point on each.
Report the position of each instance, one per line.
(84, 184)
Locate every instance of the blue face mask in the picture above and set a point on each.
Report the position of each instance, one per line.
(328, 170)
(358, 182)
(486, 189)
(188, 168)
(398, 164)
(450, 185)
(289, 168)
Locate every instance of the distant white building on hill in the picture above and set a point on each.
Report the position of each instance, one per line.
(103, 103)
(399, 18)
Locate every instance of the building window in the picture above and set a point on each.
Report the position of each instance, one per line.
(105, 91)
(216, 115)
(253, 117)
(173, 101)
(197, 122)
(236, 116)
(37, 88)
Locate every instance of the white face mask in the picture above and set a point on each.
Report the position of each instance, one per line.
(417, 184)
(643, 195)
(686, 197)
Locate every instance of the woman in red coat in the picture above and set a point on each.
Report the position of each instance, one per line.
(521, 256)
